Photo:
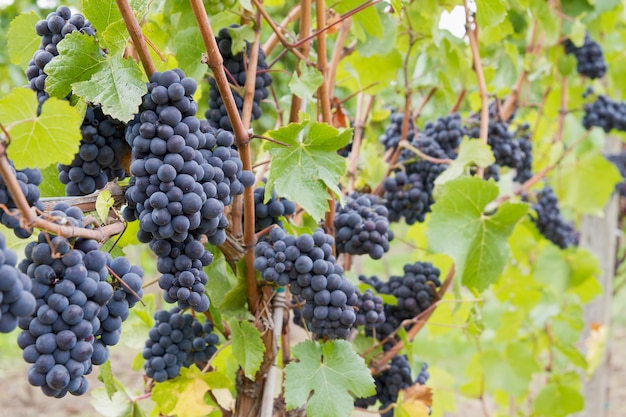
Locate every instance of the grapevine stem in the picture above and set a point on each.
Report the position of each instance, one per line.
(471, 27)
(322, 62)
(338, 52)
(135, 34)
(459, 100)
(425, 101)
(422, 155)
(6, 171)
(279, 34)
(278, 305)
(242, 139)
(364, 105)
(273, 40)
(304, 30)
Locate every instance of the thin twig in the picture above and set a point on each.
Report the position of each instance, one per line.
(471, 26)
(137, 36)
(273, 40)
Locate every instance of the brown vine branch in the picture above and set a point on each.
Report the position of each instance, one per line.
(459, 101)
(562, 111)
(471, 27)
(216, 63)
(422, 155)
(137, 36)
(364, 105)
(273, 40)
(425, 101)
(292, 48)
(305, 48)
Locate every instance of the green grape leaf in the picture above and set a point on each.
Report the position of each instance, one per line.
(105, 16)
(490, 12)
(305, 84)
(471, 152)
(39, 140)
(184, 396)
(558, 400)
(323, 377)
(104, 202)
(240, 35)
(189, 47)
(22, 39)
(477, 241)
(373, 73)
(105, 376)
(118, 405)
(51, 186)
(302, 170)
(79, 58)
(576, 176)
(117, 86)
(248, 347)
(222, 281)
(366, 20)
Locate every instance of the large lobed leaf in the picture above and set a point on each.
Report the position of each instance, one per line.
(304, 169)
(477, 241)
(248, 348)
(23, 43)
(40, 139)
(323, 377)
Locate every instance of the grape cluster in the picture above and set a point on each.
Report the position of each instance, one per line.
(606, 114)
(52, 30)
(589, 57)
(182, 180)
(99, 158)
(409, 192)
(393, 131)
(308, 265)
(68, 333)
(405, 196)
(506, 148)
(423, 376)
(362, 226)
(550, 222)
(15, 298)
(524, 168)
(169, 342)
(267, 214)
(28, 179)
(619, 160)
(177, 340)
(388, 384)
(126, 285)
(370, 310)
(235, 66)
(447, 131)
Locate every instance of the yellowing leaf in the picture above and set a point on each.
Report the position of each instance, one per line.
(183, 396)
(595, 343)
(39, 139)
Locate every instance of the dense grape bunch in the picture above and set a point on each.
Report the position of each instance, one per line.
(16, 300)
(175, 341)
(524, 168)
(52, 30)
(235, 66)
(506, 148)
(589, 57)
(606, 114)
(550, 222)
(447, 131)
(393, 132)
(99, 158)
(63, 338)
(203, 345)
(415, 291)
(388, 384)
(427, 170)
(269, 213)
(29, 180)
(126, 281)
(405, 196)
(182, 180)
(619, 160)
(308, 265)
(169, 342)
(370, 310)
(362, 226)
